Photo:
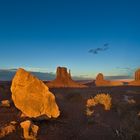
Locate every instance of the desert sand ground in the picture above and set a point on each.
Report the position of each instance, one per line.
(120, 123)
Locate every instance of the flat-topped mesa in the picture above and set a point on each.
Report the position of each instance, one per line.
(63, 79)
(137, 75)
(32, 97)
(100, 81)
(136, 82)
(62, 74)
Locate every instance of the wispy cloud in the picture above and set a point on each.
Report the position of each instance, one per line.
(36, 69)
(32, 69)
(118, 77)
(8, 74)
(124, 68)
(127, 70)
(105, 47)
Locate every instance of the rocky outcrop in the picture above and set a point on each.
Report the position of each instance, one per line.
(63, 79)
(100, 81)
(137, 75)
(116, 83)
(100, 77)
(136, 82)
(5, 103)
(29, 130)
(7, 129)
(32, 97)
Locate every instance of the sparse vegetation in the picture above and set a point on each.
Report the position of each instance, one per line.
(99, 99)
(81, 118)
(102, 98)
(129, 128)
(7, 129)
(89, 112)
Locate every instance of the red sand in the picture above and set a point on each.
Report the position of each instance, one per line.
(72, 123)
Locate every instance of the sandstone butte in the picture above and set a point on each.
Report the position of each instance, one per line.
(63, 79)
(100, 81)
(32, 97)
(136, 82)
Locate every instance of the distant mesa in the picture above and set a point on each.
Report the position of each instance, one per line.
(32, 97)
(137, 75)
(100, 81)
(136, 82)
(64, 80)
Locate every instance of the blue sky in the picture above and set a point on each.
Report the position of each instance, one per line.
(40, 35)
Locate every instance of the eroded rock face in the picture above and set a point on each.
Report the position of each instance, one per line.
(32, 97)
(62, 74)
(100, 77)
(137, 75)
(5, 103)
(63, 79)
(100, 81)
(29, 130)
(136, 82)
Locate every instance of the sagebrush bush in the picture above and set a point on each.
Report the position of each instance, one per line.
(104, 99)
(89, 112)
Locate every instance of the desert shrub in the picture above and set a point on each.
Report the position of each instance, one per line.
(89, 112)
(7, 129)
(103, 99)
(96, 102)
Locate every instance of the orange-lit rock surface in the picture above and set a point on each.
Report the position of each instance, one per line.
(136, 82)
(5, 103)
(116, 83)
(63, 79)
(100, 81)
(29, 130)
(32, 96)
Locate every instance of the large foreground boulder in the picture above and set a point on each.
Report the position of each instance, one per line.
(136, 82)
(63, 79)
(32, 96)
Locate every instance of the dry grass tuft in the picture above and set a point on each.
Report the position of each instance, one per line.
(104, 99)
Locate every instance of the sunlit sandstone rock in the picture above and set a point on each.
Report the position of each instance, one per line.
(137, 75)
(100, 81)
(29, 130)
(5, 103)
(32, 97)
(136, 82)
(116, 83)
(63, 79)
